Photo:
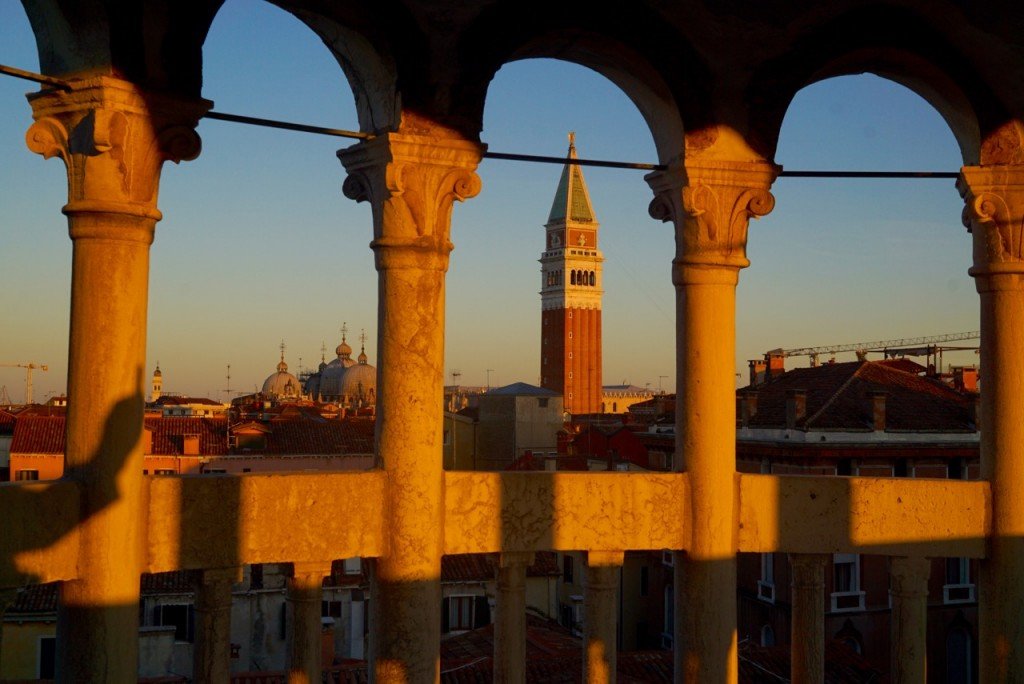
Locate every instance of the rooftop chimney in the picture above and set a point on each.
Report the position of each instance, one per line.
(878, 410)
(796, 407)
(757, 371)
(965, 378)
(776, 363)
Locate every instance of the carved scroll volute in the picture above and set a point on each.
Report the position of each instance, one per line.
(113, 139)
(711, 208)
(994, 214)
(411, 184)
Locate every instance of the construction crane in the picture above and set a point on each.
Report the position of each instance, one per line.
(906, 346)
(29, 367)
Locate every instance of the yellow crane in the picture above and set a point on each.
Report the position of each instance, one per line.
(29, 367)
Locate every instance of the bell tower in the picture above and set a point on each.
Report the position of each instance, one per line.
(571, 295)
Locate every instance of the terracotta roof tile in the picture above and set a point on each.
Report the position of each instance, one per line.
(301, 436)
(35, 434)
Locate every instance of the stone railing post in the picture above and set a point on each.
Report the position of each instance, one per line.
(994, 214)
(908, 641)
(600, 616)
(807, 623)
(113, 138)
(304, 594)
(411, 182)
(710, 203)
(212, 655)
(510, 622)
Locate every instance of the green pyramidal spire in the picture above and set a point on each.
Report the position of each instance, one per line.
(572, 201)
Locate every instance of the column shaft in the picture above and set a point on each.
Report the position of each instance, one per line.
(994, 213)
(304, 595)
(411, 183)
(908, 640)
(807, 626)
(710, 203)
(510, 622)
(212, 655)
(600, 618)
(113, 139)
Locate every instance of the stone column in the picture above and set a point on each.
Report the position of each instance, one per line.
(710, 202)
(908, 641)
(305, 592)
(212, 656)
(510, 623)
(113, 138)
(807, 624)
(994, 198)
(600, 616)
(411, 182)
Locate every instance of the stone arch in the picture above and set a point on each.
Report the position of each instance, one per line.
(862, 40)
(634, 50)
(364, 55)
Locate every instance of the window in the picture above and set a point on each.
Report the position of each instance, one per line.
(163, 471)
(330, 609)
(846, 593)
(447, 437)
(542, 402)
(570, 334)
(570, 372)
(47, 663)
(766, 585)
(958, 587)
(181, 616)
(25, 475)
(670, 621)
(460, 612)
(767, 636)
(567, 569)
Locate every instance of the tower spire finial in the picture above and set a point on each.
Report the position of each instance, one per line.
(344, 330)
(282, 350)
(362, 339)
(572, 141)
(323, 351)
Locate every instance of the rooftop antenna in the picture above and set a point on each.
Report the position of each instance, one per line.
(228, 389)
(323, 352)
(456, 374)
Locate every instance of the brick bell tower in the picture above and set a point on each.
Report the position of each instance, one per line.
(571, 295)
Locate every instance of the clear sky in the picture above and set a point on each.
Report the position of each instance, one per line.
(258, 244)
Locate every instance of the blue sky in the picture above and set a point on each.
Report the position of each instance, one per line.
(259, 245)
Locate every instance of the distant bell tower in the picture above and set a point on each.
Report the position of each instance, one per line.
(570, 295)
(158, 383)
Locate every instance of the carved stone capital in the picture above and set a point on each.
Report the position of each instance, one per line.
(113, 138)
(711, 203)
(411, 183)
(994, 215)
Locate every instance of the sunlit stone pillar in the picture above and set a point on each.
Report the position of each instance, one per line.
(113, 139)
(600, 616)
(411, 182)
(994, 213)
(212, 657)
(304, 595)
(710, 202)
(510, 622)
(807, 623)
(908, 641)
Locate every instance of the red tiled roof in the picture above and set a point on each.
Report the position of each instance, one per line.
(168, 432)
(166, 400)
(34, 434)
(297, 437)
(37, 598)
(838, 399)
(174, 582)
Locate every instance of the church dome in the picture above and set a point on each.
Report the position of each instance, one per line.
(283, 384)
(360, 384)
